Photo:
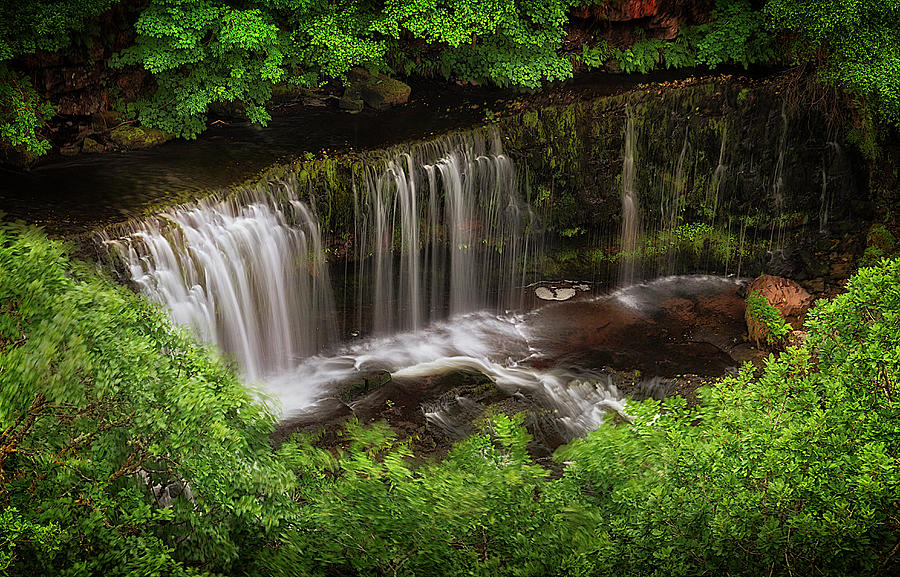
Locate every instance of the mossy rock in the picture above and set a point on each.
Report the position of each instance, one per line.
(352, 100)
(286, 92)
(91, 146)
(138, 137)
(880, 243)
(17, 156)
(366, 383)
(377, 90)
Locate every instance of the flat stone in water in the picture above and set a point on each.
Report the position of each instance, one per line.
(560, 294)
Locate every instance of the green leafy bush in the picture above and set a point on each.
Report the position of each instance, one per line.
(643, 56)
(880, 242)
(22, 113)
(860, 43)
(759, 310)
(125, 448)
(737, 35)
(792, 468)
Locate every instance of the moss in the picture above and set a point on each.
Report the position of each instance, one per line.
(880, 243)
(137, 137)
(879, 236)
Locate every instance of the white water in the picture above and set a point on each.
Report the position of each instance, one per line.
(452, 212)
(441, 231)
(251, 279)
(496, 346)
(631, 214)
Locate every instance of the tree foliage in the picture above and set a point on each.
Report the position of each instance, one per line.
(859, 41)
(201, 52)
(27, 26)
(125, 448)
(204, 52)
(22, 113)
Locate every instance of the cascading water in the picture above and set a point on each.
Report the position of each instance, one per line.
(251, 279)
(631, 216)
(453, 212)
(440, 230)
(776, 239)
(718, 178)
(832, 164)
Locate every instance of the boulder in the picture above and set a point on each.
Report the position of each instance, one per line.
(786, 296)
(137, 137)
(791, 299)
(91, 146)
(375, 90)
(364, 384)
(352, 100)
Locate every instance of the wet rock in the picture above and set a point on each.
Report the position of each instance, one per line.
(16, 156)
(106, 120)
(554, 294)
(375, 90)
(816, 285)
(352, 100)
(365, 384)
(138, 137)
(659, 18)
(69, 150)
(91, 146)
(559, 290)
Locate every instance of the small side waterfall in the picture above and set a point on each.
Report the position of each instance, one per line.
(776, 241)
(718, 177)
(832, 164)
(251, 279)
(631, 213)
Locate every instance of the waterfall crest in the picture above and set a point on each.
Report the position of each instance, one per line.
(250, 278)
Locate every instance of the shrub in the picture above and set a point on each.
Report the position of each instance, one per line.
(125, 448)
(771, 324)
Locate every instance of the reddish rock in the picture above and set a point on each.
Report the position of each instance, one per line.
(659, 18)
(623, 10)
(791, 299)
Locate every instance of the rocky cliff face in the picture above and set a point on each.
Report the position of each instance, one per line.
(728, 176)
(658, 18)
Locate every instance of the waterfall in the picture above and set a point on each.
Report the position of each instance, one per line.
(776, 240)
(441, 230)
(832, 159)
(251, 279)
(718, 177)
(631, 215)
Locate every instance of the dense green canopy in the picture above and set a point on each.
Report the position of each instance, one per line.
(203, 52)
